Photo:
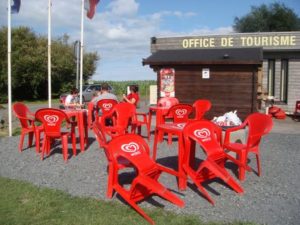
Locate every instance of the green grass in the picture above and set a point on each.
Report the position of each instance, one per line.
(23, 203)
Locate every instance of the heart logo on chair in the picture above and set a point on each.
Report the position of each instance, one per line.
(180, 112)
(130, 147)
(107, 106)
(181, 125)
(203, 133)
(51, 119)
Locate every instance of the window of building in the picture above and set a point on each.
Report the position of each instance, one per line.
(271, 77)
(284, 80)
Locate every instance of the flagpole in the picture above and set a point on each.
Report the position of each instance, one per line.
(49, 53)
(81, 51)
(9, 66)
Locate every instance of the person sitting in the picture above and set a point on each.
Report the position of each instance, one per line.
(133, 97)
(72, 100)
(104, 94)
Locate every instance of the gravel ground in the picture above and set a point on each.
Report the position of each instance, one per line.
(273, 198)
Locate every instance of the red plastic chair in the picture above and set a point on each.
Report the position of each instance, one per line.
(104, 106)
(201, 106)
(123, 116)
(134, 149)
(208, 136)
(178, 113)
(103, 143)
(296, 114)
(258, 124)
(142, 119)
(163, 102)
(52, 120)
(27, 119)
(167, 101)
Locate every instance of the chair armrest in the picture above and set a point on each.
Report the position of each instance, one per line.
(144, 116)
(233, 129)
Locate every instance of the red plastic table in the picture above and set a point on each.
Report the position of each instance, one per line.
(81, 116)
(175, 129)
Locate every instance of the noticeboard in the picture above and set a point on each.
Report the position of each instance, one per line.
(167, 82)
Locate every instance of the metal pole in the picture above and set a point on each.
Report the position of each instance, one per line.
(77, 54)
(81, 51)
(49, 53)
(9, 66)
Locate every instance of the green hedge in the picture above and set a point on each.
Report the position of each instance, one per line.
(120, 87)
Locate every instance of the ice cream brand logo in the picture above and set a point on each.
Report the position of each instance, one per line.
(51, 119)
(202, 133)
(107, 106)
(131, 147)
(180, 125)
(180, 112)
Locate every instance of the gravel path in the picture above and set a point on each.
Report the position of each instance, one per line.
(273, 198)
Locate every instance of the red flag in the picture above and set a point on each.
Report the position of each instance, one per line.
(90, 6)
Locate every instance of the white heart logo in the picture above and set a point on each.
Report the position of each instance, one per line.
(180, 125)
(107, 106)
(51, 119)
(180, 112)
(203, 133)
(130, 147)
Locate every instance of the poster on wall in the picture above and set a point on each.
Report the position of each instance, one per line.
(167, 82)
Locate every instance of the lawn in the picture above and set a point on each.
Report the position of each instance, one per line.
(24, 203)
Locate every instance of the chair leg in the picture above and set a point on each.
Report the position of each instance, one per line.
(109, 192)
(44, 146)
(21, 142)
(65, 147)
(258, 164)
(169, 138)
(193, 176)
(73, 138)
(37, 141)
(243, 160)
(125, 196)
(156, 136)
(30, 139)
(226, 177)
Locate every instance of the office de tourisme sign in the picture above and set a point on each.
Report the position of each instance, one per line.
(241, 41)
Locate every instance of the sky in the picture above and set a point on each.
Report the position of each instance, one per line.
(120, 31)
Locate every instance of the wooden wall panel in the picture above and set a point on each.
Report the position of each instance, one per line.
(228, 89)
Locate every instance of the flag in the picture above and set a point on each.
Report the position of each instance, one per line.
(90, 6)
(16, 6)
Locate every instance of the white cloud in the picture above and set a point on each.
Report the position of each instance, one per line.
(123, 7)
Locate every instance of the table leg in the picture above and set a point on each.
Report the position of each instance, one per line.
(182, 180)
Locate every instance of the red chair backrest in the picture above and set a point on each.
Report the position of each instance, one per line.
(297, 107)
(52, 120)
(133, 148)
(207, 134)
(180, 113)
(106, 105)
(167, 101)
(259, 124)
(201, 106)
(22, 112)
(124, 113)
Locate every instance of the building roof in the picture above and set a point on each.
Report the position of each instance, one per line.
(205, 56)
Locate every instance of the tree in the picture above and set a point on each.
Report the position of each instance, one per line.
(29, 65)
(275, 17)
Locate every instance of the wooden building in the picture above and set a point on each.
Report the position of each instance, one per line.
(279, 75)
(227, 77)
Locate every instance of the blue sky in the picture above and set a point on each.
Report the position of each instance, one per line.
(121, 29)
